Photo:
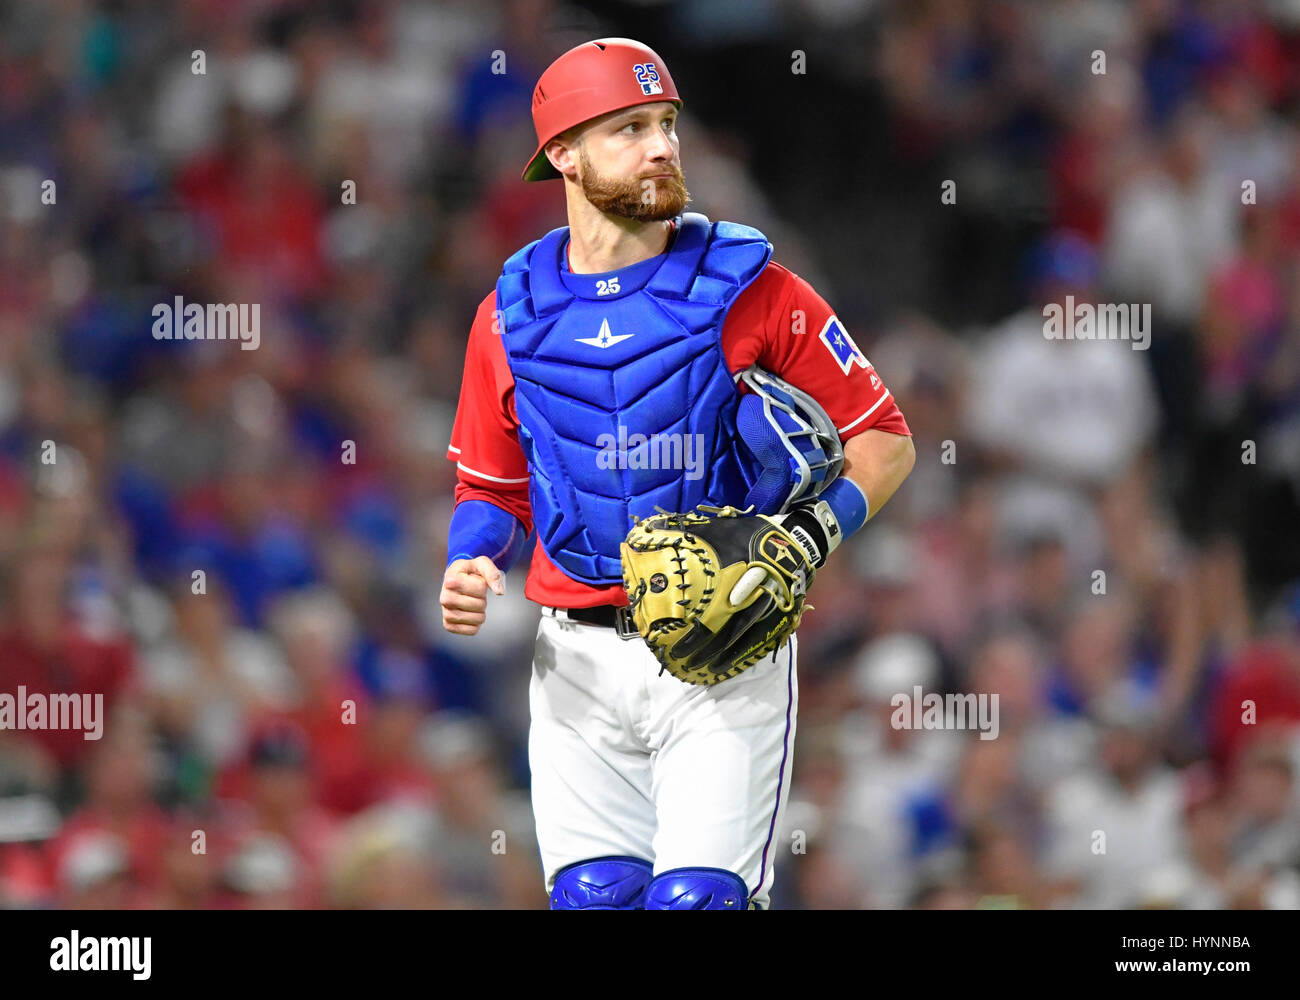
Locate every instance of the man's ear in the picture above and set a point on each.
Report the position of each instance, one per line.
(562, 151)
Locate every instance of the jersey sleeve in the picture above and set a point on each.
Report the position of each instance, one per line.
(783, 325)
(490, 463)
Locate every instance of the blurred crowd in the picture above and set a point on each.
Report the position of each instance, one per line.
(242, 550)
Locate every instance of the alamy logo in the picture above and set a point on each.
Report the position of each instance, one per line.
(603, 338)
(955, 711)
(1104, 321)
(179, 320)
(654, 451)
(75, 953)
(35, 712)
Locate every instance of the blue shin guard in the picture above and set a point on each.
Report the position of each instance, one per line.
(609, 883)
(697, 889)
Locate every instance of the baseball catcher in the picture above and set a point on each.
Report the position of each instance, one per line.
(682, 432)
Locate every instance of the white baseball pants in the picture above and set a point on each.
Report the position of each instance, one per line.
(626, 760)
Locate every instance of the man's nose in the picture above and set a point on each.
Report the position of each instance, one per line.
(660, 148)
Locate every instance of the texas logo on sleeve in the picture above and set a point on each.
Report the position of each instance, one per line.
(841, 345)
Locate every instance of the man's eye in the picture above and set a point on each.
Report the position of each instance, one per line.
(630, 125)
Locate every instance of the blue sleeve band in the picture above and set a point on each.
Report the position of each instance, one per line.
(479, 528)
(848, 503)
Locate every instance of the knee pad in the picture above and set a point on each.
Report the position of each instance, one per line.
(697, 889)
(609, 883)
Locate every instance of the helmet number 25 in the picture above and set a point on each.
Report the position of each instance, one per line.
(648, 77)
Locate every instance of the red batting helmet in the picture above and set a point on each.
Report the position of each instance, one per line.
(590, 80)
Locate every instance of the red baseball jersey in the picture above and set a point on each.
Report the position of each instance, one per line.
(778, 322)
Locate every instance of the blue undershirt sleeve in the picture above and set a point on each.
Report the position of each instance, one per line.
(480, 528)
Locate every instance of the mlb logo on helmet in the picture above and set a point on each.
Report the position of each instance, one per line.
(648, 77)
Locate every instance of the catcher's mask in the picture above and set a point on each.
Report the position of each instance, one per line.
(793, 439)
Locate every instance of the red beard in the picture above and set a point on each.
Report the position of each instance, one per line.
(647, 199)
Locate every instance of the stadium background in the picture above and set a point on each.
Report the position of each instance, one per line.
(1119, 711)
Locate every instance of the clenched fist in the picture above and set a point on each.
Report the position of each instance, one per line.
(464, 593)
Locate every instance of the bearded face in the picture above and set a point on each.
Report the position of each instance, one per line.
(647, 198)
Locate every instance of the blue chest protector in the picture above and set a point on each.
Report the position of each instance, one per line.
(625, 400)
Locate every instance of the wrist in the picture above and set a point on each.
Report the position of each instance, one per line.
(819, 526)
(814, 527)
